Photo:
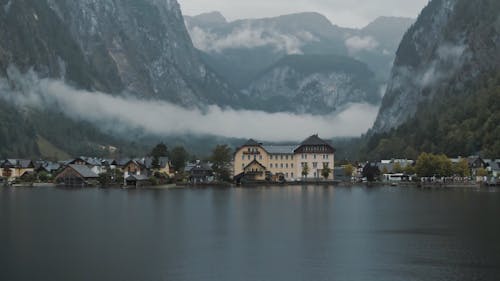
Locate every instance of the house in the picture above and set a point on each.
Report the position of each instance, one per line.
(12, 169)
(255, 171)
(493, 167)
(475, 163)
(76, 176)
(47, 167)
(137, 180)
(93, 164)
(134, 168)
(201, 173)
(164, 165)
(284, 162)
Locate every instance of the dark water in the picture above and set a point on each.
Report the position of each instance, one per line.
(290, 233)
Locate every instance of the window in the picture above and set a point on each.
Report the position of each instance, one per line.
(242, 157)
(271, 165)
(281, 157)
(315, 165)
(286, 175)
(314, 156)
(326, 164)
(260, 157)
(287, 165)
(248, 157)
(291, 175)
(271, 157)
(243, 165)
(286, 157)
(292, 166)
(281, 165)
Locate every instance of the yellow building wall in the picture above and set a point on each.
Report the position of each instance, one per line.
(319, 159)
(243, 157)
(288, 164)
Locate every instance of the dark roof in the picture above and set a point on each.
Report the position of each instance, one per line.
(315, 140)
(280, 149)
(202, 167)
(252, 142)
(84, 171)
(138, 178)
(255, 162)
(18, 163)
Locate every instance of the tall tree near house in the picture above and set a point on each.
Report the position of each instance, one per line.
(348, 170)
(221, 159)
(397, 168)
(461, 168)
(179, 156)
(305, 170)
(326, 171)
(160, 150)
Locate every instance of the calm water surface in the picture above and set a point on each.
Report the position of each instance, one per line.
(277, 233)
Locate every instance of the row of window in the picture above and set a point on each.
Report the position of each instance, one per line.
(282, 166)
(282, 157)
(315, 164)
(315, 148)
(315, 156)
(249, 157)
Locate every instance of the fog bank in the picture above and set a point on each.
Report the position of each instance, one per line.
(120, 114)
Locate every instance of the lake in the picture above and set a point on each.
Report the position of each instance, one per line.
(268, 233)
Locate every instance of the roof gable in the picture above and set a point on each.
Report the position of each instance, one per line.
(83, 171)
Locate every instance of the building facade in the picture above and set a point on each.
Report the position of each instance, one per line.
(306, 160)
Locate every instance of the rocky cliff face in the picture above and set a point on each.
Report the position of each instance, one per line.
(314, 84)
(137, 48)
(452, 44)
(140, 47)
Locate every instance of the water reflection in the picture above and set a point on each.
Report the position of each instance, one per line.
(269, 233)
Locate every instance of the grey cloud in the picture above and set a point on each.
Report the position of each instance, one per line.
(248, 36)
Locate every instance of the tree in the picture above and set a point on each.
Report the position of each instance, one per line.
(44, 177)
(326, 171)
(179, 156)
(397, 168)
(462, 168)
(348, 170)
(371, 172)
(160, 150)
(305, 170)
(482, 172)
(409, 170)
(429, 165)
(221, 159)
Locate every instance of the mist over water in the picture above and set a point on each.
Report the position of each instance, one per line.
(123, 113)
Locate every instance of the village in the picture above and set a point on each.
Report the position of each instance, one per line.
(253, 163)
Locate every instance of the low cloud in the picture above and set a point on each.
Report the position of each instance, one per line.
(120, 114)
(248, 36)
(356, 44)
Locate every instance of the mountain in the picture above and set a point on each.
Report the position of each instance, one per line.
(242, 49)
(137, 48)
(445, 85)
(318, 84)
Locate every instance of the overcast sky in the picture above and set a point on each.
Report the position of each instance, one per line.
(348, 13)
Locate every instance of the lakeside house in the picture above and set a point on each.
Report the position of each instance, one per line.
(254, 161)
(201, 173)
(12, 169)
(74, 175)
